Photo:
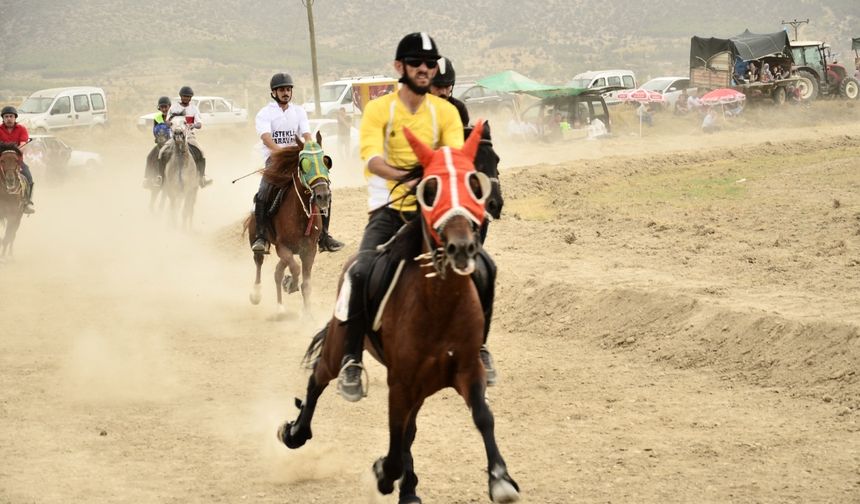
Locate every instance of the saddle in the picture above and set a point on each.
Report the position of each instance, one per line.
(383, 275)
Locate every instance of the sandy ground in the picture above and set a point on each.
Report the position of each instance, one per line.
(677, 321)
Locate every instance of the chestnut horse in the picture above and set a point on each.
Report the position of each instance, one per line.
(12, 192)
(432, 324)
(302, 173)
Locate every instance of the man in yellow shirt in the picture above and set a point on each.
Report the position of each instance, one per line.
(389, 159)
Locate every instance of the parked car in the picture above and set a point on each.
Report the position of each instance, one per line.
(613, 80)
(565, 117)
(58, 108)
(339, 94)
(486, 103)
(214, 112)
(670, 88)
(52, 159)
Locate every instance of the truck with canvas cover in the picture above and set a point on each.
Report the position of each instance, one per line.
(758, 65)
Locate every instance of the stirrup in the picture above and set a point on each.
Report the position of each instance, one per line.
(363, 385)
(260, 246)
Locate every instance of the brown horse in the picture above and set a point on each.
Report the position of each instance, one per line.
(302, 173)
(431, 327)
(12, 192)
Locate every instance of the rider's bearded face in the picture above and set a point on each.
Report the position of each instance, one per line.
(9, 120)
(283, 95)
(416, 78)
(442, 92)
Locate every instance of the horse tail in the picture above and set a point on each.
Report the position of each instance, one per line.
(246, 224)
(314, 351)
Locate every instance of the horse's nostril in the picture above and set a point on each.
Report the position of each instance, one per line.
(471, 249)
(451, 249)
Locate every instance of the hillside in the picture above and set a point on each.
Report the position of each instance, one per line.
(230, 47)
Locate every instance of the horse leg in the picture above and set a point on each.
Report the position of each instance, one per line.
(283, 253)
(410, 479)
(296, 433)
(502, 487)
(389, 468)
(307, 266)
(188, 209)
(256, 293)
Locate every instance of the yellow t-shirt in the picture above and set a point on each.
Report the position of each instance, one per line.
(436, 122)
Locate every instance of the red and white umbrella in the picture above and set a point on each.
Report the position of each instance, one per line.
(641, 96)
(722, 96)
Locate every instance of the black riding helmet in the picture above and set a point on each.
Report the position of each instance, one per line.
(416, 45)
(163, 101)
(445, 76)
(9, 109)
(186, 91)
(280, 80)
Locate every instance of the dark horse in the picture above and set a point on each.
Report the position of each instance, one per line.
(431, 325)
(487, 162)
(12, 192)
(301, 174)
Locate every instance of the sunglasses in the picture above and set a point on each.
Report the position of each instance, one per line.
(417, 62)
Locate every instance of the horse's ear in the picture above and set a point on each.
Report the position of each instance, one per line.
(470, 148)
(327, 162)
(422, 150)
(319, 137)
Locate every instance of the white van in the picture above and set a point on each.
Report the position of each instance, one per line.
(57, 108)
(338, 94)
(626, 79)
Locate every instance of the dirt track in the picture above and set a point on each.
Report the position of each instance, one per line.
(677, 321)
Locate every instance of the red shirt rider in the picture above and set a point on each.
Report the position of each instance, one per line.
(16, 135)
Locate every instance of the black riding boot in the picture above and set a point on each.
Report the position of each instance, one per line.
(327, 242)
(260, 244)
(485, 281)
(28, 204)
(201, 171)
(349, 384)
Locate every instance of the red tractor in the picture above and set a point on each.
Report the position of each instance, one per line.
(820, 73)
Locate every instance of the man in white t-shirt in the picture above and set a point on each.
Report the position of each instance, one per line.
(189, 111)
(278, 126)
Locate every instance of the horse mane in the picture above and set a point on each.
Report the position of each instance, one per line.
(279, 171)
(11, 147)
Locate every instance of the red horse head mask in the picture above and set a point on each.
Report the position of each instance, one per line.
(450, 185)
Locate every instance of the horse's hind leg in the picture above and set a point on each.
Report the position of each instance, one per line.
(410, 479)
(285, 255)
(295, 434)
(502, 487)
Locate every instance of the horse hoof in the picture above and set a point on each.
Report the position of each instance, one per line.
(412, 499)
(502, 491)
(289, 284)
(288, 434)
(256, 295)
(385, 486)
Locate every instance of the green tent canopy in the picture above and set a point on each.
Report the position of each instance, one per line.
(855, 43)
(510, 81)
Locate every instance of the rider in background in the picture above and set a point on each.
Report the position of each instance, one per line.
(13, 133)
(443, 86)
(161, 133)
(192, 117)
(389, 158)
(278, 124)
